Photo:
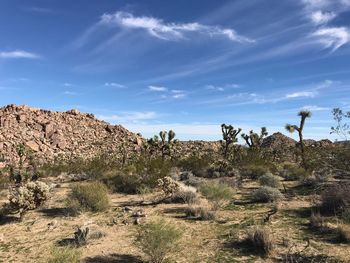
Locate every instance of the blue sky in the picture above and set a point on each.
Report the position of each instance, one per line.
(182, 65)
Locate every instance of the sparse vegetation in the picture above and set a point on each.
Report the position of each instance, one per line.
(158, 239)
(266, 194)
(91, 196)
(261, 240)
(65, 255)
(335, 199)
(218, 193)
(269, 180)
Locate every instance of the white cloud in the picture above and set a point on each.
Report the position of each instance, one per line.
(332, 37)
(157, 88)
(18, 54)
(179, 96)
(129, 117)
(319, 17)
(113, 84)
(315, 108)
(67, 84)
(169, 31)
(222, 88)
(70, 93)
(309, 94)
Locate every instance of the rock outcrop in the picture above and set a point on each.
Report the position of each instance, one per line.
(48, 134)
(278, 140)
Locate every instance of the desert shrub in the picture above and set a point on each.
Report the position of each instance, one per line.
(189, 179)
(158, 239)
(185, 196)
(266, 194)
(65, 255)
(200, 213)
(217, 193)
(92, 196)
(143, 172)
(261, 240)
(254, 171)
(336, 198)
(233, 182)
(343, 233)
(292, 172)
(195, 163)
(269, 180)
(28, 196)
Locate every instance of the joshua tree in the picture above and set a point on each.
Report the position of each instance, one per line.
(255, 140)
(342, 129)
(291, 128)
(165, 144)
(229, 134)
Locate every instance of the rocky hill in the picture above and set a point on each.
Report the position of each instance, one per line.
(48, 134)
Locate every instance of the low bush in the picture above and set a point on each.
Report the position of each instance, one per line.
(217, 193)
(92, 196)
(261, 240)
(200, 213)
(158, 239)
(65, 255)
(254, 171)
(266, 194)
(269, 180)
(335, 199)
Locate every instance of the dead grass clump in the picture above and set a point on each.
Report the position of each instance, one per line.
(343, 233)
(261, 240)
(335, 199)
(89, 197)
(317, 222)
(184, 196)
(158, 239)
(200, 213)
(64, 255)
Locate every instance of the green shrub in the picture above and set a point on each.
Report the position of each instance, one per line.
(335, 199)
(266, 194)
(269, 180)
(254, 171)
(65, 255)
(158, 239)
(143, 172)
(261, 240)
(217, 193)
(91, 196)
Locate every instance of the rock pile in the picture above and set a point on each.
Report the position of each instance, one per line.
(48, 134)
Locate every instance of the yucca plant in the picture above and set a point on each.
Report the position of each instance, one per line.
(292, 128)
(229, 134)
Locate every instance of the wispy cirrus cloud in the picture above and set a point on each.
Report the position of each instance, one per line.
(169, 31)
(18, 54)
(222, 87)
(306, 94)
(333, 37)
(70, 93)
(320, 17)
(315, 108)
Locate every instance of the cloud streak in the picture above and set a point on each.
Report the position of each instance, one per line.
(18, 54)
(169, 31)
(157, 88)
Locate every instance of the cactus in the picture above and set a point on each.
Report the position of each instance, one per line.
(81, 236)
(28, 196)
(229, 134)
(255, 140)
(292, 128)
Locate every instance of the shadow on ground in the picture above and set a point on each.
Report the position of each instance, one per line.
(114, 258)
